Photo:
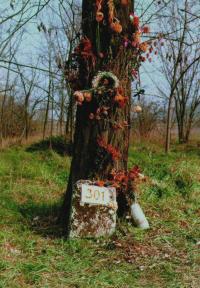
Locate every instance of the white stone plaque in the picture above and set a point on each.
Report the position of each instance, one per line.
(92, 194)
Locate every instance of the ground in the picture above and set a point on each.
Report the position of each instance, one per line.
(33, 254)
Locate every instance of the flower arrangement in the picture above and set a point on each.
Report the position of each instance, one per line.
(122, 179)
(105, 78)
(112, 151)
(81, 96)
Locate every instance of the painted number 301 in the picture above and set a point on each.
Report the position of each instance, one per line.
(95, 195)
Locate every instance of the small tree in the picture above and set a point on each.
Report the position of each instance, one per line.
(148, 120)
(178, 62)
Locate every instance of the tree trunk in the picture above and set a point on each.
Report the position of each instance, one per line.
(88, 161)
(168, 129)
(189, 126)
(26, 104)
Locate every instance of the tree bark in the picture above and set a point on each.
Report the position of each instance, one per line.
(87, 162)
(168, 127)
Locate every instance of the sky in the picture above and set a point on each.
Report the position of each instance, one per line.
(33, 42)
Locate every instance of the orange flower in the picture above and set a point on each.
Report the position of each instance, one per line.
(124, 2)
(121, 100)
(100, 183)
(118, 98)
(143, 47)
(116, 27)
(78, 95)
(137, 36)
(87, 96)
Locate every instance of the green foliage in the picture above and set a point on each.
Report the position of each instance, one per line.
(33, 254)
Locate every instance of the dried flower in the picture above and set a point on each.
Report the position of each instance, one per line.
(97, 80)
(121, 100)
(100, 183)
(142, 58)
(87, 96)
(136, 21)
(115, 154)
(91, 116)
(146, 29)
(126, 43)
(116, 27)
(143, 47)
(151, 49)
(137, 37)
(118, 98)
(79, 96)
(134, 73)
(134, 172)
(125, 2)
(99, 16)
(137, 109)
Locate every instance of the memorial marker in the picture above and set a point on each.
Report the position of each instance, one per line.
(93, 210)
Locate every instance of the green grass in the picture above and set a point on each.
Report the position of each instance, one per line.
(33, 254)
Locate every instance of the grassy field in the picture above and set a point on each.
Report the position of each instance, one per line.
(33, 254)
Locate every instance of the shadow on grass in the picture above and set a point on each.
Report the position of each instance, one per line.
(58, 144)
(43, 219)
(191, 149)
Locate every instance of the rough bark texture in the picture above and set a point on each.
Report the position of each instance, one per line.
(87, 163)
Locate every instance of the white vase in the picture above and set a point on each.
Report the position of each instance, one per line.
(138, 216)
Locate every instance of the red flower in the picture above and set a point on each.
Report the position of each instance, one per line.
(146, 29)
(151, 49)
(115, 154)
(136, 21)
(142, 58)
(100, 183)
(134, 172)
(155, 43)
(134, 73)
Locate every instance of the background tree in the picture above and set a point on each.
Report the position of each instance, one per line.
(177, 62)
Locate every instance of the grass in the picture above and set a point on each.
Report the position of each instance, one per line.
(33, 254)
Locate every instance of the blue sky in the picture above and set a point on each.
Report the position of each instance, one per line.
(33, 41)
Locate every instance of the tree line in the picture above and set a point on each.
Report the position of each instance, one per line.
(36, 91)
